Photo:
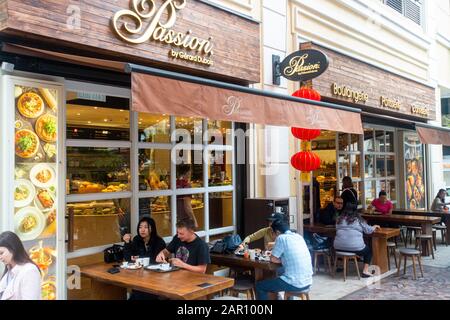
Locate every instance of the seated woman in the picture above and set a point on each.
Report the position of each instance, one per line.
(439, 202)
(350, 229)
(145, 244)
(382, 204)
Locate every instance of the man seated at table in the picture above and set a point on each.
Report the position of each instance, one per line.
(329, 214)
(291, 251)
(382, 204)
(191, 252)
(267, 233)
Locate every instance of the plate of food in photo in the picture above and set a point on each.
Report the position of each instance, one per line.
(46, 127)
(48, 289)
(26, 144)
(29, 222)
(24, 192)
(30, 105)
(43, 175)
(44, 200)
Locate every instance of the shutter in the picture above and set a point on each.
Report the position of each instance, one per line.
(413, 11)
(397, 5)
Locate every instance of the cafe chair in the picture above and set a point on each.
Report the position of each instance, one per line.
(428, 239)
(409, 234)
(413, 254)
(244, 286)
(434, 239)
(303, 295)
(346, 256)
(443, 229)
(325, 254)
(391, 247)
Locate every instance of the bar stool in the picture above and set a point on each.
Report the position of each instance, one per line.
(434, 239)
(345, 256)
(405, 253)
(391, 247)
(429, 240)
(409, 233)
(325, 253)
(443, 229)
(303, 295)
(243, 286)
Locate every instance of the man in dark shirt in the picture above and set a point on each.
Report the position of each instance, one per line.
(329, 214)
(191, 252)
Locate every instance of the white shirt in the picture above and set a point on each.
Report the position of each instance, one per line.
(23, 282)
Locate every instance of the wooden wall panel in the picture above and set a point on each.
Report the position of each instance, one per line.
(236, 40)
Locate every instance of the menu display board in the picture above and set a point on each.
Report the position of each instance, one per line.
(414, 162)
(35, 178)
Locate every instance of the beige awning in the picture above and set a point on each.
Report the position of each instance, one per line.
(160, 95)
(433, 135)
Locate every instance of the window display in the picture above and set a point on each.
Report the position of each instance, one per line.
(220, 168)
(154, 128)
(414, 162)
(154, 169)
(159, 209)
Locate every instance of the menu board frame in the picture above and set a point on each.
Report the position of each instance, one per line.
(52, 240)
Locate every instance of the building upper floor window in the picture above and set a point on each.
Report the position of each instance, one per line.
(411, 9)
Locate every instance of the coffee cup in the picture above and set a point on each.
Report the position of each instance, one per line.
(139, 261)
(252, 254)
(124, 264)
(145, 261)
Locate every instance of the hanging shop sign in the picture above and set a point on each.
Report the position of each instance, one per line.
(303, 65)
(144, 23)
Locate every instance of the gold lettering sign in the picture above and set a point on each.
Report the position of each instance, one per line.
(144, 22)
(394, 104)
(346, 92)
(422, 111)
(297, 66)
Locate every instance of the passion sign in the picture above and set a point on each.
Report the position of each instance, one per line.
(304, 65)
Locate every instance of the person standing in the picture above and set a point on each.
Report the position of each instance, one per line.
(349, 194)
(22, 277)
(184, 202)
(291, 252)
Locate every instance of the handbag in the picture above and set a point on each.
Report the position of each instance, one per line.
(113, 254)
(219, 247)
(232, 242)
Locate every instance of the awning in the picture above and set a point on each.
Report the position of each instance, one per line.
(433, 135)
(162, 92)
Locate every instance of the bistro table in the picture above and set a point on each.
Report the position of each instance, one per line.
(261, 269)
(428, 213)
(379, 241)
(177, 285)
(426, 223)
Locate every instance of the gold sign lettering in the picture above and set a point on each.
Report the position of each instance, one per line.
(390, 103)
(297, 66)
(346, 92)
(129, 26)
(422, 111)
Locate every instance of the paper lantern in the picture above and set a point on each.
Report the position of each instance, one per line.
(307, 93)
(305, 161)
(305, 134)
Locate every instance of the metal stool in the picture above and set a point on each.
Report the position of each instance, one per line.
(443, 230)
(345, 256)
(303, 295)
(429, 239)
(325, 253)
(391, 246)
(413, 254)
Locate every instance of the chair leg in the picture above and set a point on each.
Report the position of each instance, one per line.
(404, 265)
(357, 268)
(388, 258)
(315, 263)
(345, 268)
(399, 265)
(434, 239)
(414, 266)
(430, 246)
(329, 263)
(419, 259)
(395, 258)
(335, 266)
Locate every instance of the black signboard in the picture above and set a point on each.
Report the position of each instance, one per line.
(304, 65)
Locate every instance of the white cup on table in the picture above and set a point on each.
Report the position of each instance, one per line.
(145, 261)
(252, 254)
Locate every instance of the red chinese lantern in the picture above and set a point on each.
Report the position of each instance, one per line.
(305, 161)
(307, 93)
(305, 134)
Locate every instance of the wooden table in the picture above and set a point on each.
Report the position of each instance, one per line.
(177, 285)
(426, 223)
(428, 213)
(261, 269)
(379, 241)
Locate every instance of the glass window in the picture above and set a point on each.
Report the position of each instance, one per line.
(354, 142)
(344, 166)
(369, 166)
(392, 192)
(159, 209)
(154, 128)
(370, 192)
(98, 223)
(154, 169)
(189, 130)
(343, 142)
(379, 141)
(92, 170)
(220, 168)
(191, 206)
(190, 175)
(219, 132)
(380, 162)
(220, 209)
(389, 141)
(368, 140)
(97, 116)
(355, 160)
(390, 166)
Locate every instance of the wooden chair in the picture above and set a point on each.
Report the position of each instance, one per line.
(303, 295)
(443, 229)
(409, 234)
(245, 285)
(429, 240)
(413, 253)
(325, 253)
(346, 256)
(391, 247)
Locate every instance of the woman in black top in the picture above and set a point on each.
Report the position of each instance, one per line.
(146, 243)
(349, 194)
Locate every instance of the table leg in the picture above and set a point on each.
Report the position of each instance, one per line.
(379, 253)
(447, 224)
(427, 229)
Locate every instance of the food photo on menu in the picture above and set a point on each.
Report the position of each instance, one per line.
(35, 179)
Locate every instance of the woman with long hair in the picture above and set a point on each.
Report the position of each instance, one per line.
(439, 202)
(22, 278)
(350, 230)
